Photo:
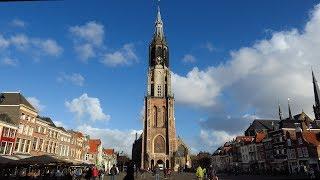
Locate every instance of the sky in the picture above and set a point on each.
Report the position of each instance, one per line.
(84, 64)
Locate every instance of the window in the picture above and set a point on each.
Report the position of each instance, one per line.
(5, 132)
(299, 152)
(12, 133)
(152, 90)
(305, 152)
(25, 130)
(159, 90)
(300, 140)
(293, 153)
(28, 146)
(34, 143)
(22, 147)
(289, 142)
(3, 147)
(9, 148)
(30, 131)
(20, 129)
(16, 147)
(40, 145)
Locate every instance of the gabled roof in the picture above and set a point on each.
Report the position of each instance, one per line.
(5, 118)
(311, 138)
(108, 151)
(302, 117)
(263, 124)
(15, 98)
(260, 136)
(93, 145)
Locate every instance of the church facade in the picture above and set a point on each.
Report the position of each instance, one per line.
(158, 144)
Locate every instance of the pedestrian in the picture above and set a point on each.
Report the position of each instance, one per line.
(95, 172)
(312, 176)
(199, 173)
(157, 172)
(113, 172)
(130, 171)
(101, 174)
(212, 173)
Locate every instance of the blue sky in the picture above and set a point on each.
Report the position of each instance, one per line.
(90, 57)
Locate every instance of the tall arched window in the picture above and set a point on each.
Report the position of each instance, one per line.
(159, 145)
(164, 115)
(155, 116)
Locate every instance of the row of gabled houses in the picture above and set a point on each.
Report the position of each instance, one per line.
(24, 133)
(285, 145)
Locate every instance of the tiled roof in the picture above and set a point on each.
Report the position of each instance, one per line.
(93, 145)
(260, 136)
(244, 138)
(5, 118)
(108, 151)
(311, 138)
(15, 98)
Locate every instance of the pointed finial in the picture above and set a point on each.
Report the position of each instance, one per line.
(289, 108)
(280, 113)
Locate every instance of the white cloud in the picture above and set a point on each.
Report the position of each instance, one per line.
(88, 42)
(4, 43)
(188, 58)
(48, 46)
(20, 41)
(85, 51)
(112, 138)
(35, 103)
(18, 23)
(124, 56)
(9, 61)
(74, 78)
(87, 106)
(256, 76)
(196, 88)
(92, 32)
(209, 140)
(35, 46)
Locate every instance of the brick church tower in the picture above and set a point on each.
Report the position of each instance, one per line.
(159, 135)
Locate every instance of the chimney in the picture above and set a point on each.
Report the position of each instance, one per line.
(136, 136)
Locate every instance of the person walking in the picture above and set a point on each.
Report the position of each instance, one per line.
(157, 172)
(113, 172)
(199, 173)
(212, 173)
(130, 171)
(101, 174)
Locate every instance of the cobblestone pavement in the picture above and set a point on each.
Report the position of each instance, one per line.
(191, 176)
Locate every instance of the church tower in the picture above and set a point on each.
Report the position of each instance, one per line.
(159, 135)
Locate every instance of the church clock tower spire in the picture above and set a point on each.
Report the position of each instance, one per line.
(159, 134)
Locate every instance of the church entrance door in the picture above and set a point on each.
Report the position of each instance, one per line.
(160, 164)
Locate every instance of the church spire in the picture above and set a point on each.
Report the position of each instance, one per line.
(289, 108)
(159, 25)
(280, 113)
(316, 107)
